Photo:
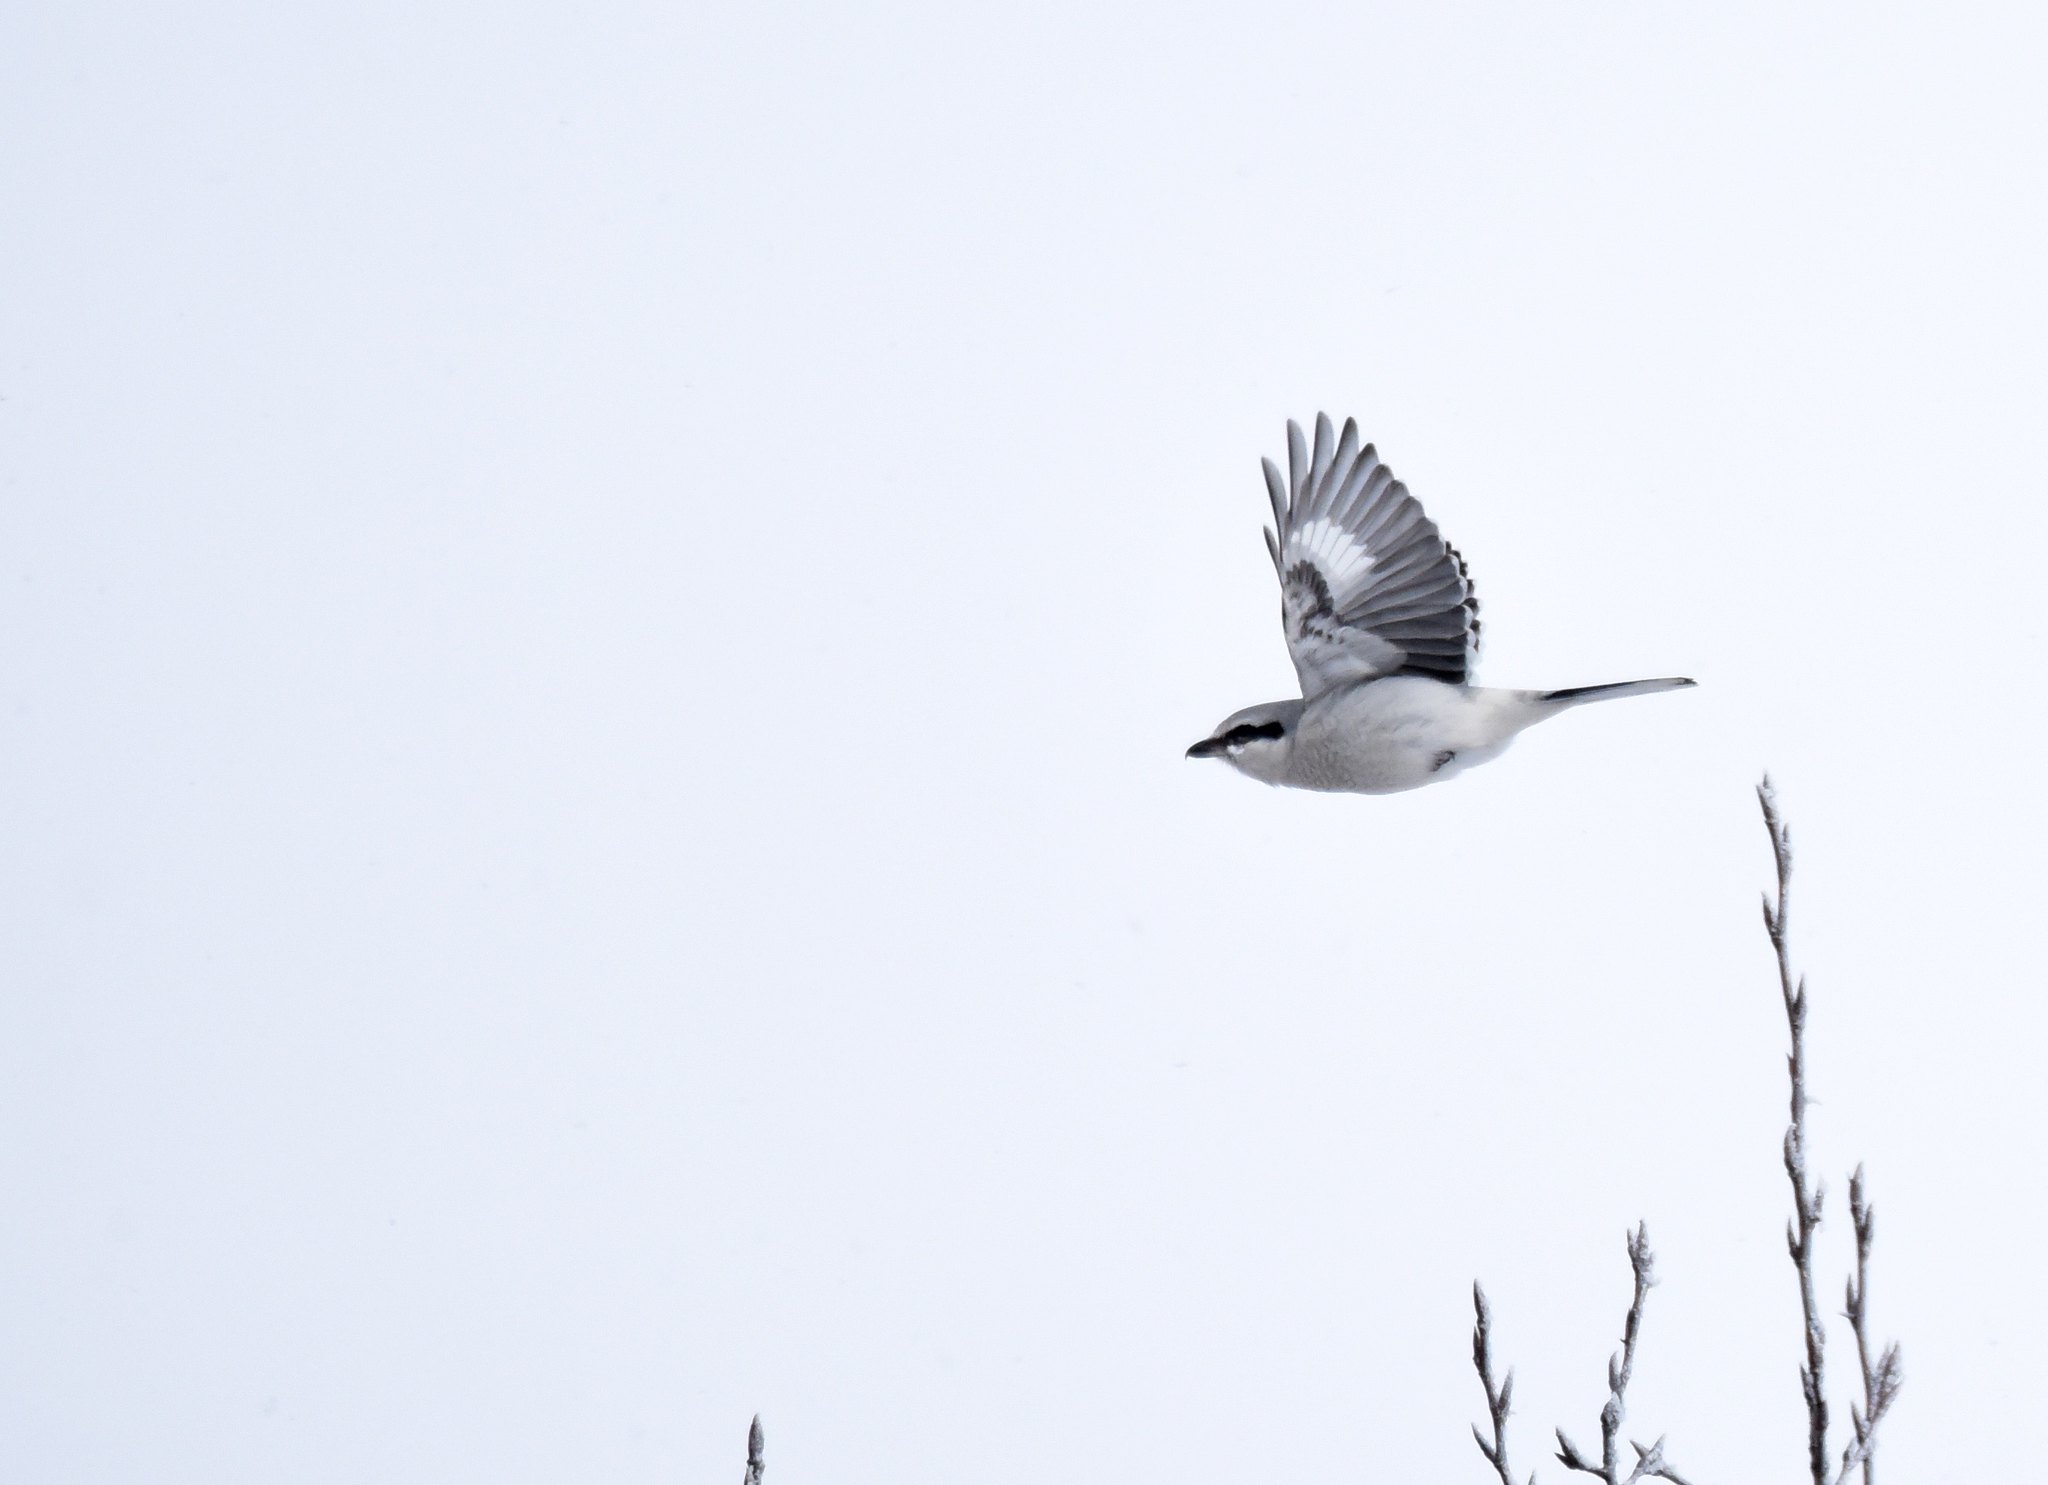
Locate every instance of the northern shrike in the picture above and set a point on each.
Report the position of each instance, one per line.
(1383, 627)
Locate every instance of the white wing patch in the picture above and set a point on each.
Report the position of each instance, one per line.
(1341, 557)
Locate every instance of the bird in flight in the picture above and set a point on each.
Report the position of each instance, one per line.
(1384, 628)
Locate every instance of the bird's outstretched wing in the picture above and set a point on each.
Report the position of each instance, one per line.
(1368, 586)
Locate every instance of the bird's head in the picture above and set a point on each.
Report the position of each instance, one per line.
(1257, 740)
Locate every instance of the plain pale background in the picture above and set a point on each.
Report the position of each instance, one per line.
(599, 608)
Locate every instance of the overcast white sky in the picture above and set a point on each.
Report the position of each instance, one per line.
(599, 609)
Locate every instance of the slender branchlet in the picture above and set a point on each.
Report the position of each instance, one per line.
(1496, 1396)
(756, 1442)
(1807, 1196)
(1880, 1379)
(1649, 1463)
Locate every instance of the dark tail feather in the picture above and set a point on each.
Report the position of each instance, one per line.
(1573, 695)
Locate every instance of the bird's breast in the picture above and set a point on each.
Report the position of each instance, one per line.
(1384, 736)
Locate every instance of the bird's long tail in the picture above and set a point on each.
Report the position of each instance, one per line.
(1574, 695)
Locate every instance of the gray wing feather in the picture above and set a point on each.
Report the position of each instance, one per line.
(1276, 492)
(1347, 457)
(1368, 585)
(1319, 462)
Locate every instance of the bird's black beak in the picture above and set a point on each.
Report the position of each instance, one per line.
(1208, 747)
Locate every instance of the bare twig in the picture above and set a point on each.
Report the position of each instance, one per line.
(756, 1442)
(1496, 1397)
(1650, 1463)
(1807, 1197)
(1880, 1380)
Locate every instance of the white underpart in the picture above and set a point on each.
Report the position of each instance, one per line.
(1342, 556)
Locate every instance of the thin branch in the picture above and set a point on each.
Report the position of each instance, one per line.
(1807, 1198)
(756, 1442)
(1880, 1380)
(1496, 1397)
(1650, 1463)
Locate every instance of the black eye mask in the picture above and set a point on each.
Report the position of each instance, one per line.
(1244, 732)
(1236, 737)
